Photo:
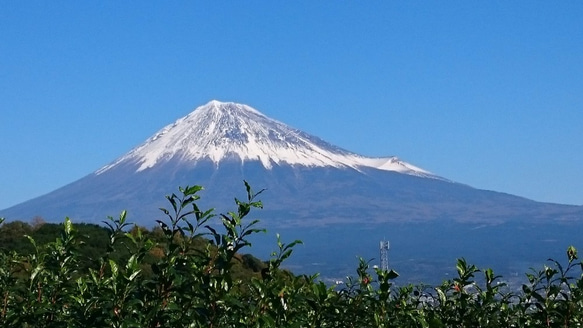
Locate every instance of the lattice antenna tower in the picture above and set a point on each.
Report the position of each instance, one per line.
(384, 248)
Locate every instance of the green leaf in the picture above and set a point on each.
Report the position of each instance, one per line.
(35, 272)
(191, 190)
(249, 191)
(392, 274)
(132, 264)
(114, 268)
(134, 275)
(172, 200)
(32, 241)
(68, 226)
(441, 295)
(571, 253)
(165, 228)
(122, 217)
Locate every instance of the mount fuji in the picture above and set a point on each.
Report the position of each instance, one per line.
(308, 181)
(314, 190)
(225, 131)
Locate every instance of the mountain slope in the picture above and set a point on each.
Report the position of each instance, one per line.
(308, 181)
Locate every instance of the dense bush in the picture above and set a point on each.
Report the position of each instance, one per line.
(172, 278)
(93, 241)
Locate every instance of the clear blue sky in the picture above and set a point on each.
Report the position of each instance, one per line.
(486, 93)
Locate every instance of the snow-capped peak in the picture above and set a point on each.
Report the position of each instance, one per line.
(224, 130)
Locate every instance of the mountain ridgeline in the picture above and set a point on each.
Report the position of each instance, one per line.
(340, 203)
(308, 181)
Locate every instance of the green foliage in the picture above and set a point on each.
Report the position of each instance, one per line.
(188, 272)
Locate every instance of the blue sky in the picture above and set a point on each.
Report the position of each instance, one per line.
(487, 93)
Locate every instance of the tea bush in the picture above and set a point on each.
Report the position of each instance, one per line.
(173, 278)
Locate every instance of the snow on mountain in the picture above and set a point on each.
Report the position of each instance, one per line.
(338, 202)
(310, 181)
(220, 131)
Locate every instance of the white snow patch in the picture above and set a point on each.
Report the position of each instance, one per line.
(219, 130)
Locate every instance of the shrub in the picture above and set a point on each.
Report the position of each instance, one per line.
(185, 274)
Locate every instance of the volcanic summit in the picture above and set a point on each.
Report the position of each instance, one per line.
(308, 180)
